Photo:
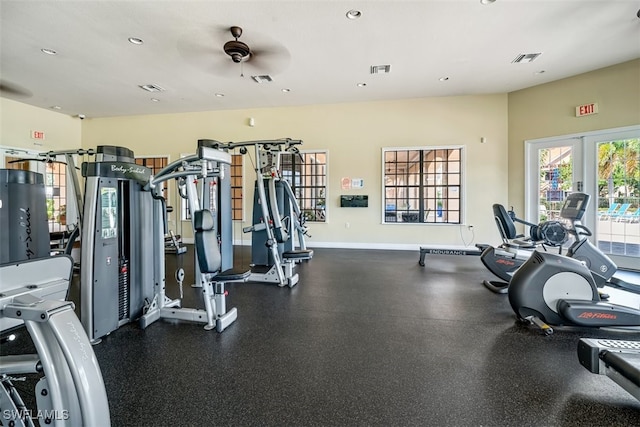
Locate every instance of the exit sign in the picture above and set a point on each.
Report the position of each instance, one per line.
(586, 110)
(36, 134)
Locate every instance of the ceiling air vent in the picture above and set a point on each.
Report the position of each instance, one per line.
(525, 57)
(380, 69)
(262, 79)
(151, 88)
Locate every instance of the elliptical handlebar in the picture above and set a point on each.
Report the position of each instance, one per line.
(514, 218)
(581, 230)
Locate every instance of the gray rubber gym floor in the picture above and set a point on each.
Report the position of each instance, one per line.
(367, 338)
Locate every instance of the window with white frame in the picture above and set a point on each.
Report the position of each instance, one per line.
(307, 175)
(422, 185)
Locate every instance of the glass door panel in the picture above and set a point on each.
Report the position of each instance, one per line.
(618, 197)
(555, 180)
(553, 170)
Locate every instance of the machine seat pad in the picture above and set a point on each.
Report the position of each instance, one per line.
(231, 275)
(298, 254)
(627, 364)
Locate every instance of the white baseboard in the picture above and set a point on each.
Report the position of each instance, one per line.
(352, 245)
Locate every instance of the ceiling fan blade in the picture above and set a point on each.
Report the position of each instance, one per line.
(12, 89)
(267, 63)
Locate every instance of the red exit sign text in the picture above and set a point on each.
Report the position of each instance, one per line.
(586, 110)
(36, 134)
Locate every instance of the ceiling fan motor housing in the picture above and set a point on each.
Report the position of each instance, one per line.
(236, 49)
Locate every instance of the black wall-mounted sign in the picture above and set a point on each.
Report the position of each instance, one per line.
(358, 201)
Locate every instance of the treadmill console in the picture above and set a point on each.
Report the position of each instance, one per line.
(574, 206)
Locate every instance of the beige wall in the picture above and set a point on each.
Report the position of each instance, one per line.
(549, 110)
(17, 120)
(353, 135)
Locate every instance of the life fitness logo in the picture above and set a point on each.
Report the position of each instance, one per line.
(592, 315)
(505, 262)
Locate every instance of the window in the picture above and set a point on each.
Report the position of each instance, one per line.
(422, 185)
(236, 187)
(307, 175)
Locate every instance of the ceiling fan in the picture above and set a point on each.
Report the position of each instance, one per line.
(258, 55)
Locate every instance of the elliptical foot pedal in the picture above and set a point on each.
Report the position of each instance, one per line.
(548, 330)
(495, 286)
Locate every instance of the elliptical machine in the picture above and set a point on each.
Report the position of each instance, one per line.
(551, 289)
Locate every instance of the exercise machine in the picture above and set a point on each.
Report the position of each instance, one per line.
(70, 390)
(515, 248)
(552, 289)
(206, 163)
(277, 218)
(123, 264)
(617, 359)
(502, 260)
(121, 246)
(23, 216)
(425, 250)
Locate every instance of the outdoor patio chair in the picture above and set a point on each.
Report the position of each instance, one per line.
(607, 214)
(620, 212)
(632, 217)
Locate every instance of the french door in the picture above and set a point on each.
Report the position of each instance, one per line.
(603, 164)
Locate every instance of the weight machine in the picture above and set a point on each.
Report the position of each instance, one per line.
(23, 216)
(71, 392)
(207, 163)
(277, 218)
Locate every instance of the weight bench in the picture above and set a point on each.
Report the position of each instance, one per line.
(619, 360)
(298, 254)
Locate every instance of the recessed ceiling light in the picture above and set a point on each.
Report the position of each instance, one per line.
(362, 84)
(155, 99)
(49, 51)
(56, 107)
(286, 90)
(354, 14)
(219, 95)
(540, 72)
(135, 40)
(443, 79)
(487, 1)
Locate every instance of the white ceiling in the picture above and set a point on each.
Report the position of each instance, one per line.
(307, 46)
